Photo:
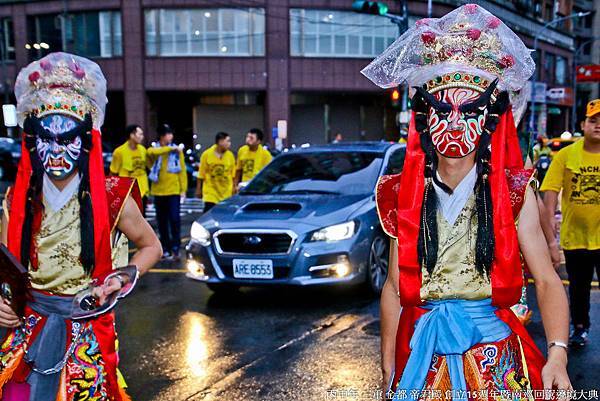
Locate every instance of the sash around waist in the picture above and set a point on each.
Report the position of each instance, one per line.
(450, 328)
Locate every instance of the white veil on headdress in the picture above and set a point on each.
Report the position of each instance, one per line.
(469, 40)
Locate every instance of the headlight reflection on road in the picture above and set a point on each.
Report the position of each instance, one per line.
(197, 345)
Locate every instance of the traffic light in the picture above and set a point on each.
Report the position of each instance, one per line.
(396, 97)
(370, 7)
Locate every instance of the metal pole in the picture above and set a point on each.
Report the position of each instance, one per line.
(574, 77)
(63, 26)
(4, 73)
(535, 45)
(3, 57)
(402, 23)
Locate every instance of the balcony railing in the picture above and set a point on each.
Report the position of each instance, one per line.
(586, 5)
(583, 32)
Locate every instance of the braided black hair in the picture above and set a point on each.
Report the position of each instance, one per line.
(427, 245)
(86, 215)
(33, 198)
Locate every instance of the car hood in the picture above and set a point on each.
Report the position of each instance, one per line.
(276, 211)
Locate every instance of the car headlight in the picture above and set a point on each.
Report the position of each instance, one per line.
(200, 234)
(336, 232)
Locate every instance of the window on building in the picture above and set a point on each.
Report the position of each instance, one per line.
(549, 62)
(8, 39)
(323, 33)
(111, 34)
(88, 34)
(537, 9)
(95, 34)
(536, 59)
(205, 32)
(586, 49)
(44, 35)
(548, 12)
(561, 70)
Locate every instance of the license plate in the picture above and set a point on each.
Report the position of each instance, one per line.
(253, 268)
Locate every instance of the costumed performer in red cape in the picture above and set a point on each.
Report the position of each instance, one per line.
(462, 216)
(69, 226)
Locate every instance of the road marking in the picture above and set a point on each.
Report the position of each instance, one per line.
(565, 282)
(167, 271)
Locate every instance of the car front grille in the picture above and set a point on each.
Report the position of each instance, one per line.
(253, 243)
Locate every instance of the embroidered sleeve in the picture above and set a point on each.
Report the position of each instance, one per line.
(386, 197)
(518, 180)
(118, 189)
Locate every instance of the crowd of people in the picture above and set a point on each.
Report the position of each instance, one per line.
(161, 174)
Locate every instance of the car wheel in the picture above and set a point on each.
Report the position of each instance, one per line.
(377, 267)
(222, 288)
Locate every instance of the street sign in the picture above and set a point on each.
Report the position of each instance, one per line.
(9, 112)
(540, 91)
(282, 129)
(562, 96)
(588, 73)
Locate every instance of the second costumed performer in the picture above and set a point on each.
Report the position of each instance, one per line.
(462, 216)
(68, 226)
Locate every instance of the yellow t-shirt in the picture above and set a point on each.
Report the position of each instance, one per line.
(580, 201)
(217, 175)
(131, 163)
(168, 183)
(252, 162)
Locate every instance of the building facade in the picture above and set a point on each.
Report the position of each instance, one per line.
(587, 51)
(229, 65)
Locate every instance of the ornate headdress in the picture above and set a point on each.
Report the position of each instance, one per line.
(61, 83)
(468, 47)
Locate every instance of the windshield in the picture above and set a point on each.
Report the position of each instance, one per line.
(347, 173)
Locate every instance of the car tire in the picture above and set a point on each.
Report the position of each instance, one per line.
(222, 288)
(377, 264)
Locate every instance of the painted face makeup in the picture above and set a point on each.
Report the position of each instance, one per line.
(456, 120)
(59, 145)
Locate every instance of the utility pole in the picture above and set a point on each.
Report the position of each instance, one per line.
(4, 74)
(574, 78)
(63, 25)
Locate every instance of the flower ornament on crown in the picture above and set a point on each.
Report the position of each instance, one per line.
(468, 47)
(61, 83)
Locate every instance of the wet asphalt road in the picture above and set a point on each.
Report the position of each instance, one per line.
(180, 341)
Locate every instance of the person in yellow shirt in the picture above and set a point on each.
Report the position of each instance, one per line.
(216, 172)
(169, 185)
(251, 158)
(575, 170)
(129, 159)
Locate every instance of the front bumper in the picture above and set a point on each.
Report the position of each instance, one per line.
(307, 264)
